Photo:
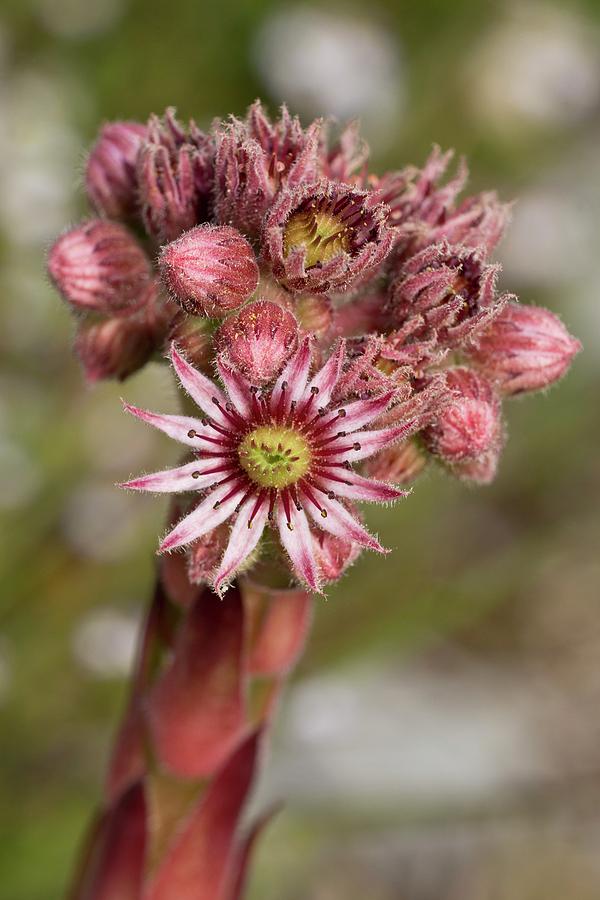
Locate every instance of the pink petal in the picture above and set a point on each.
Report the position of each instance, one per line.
(197, 864)
(195, 710)
(176, 427)
(200, 388)
(203, 518)
(360, 413)
(299, 544)
(342, 523)
(236, 386)
(370, 442)
(242, 540)
(182, 478)
(327, 377)
(355, 487)
(294, 376)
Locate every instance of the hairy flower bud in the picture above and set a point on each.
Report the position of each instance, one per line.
(481, 470)
(209, 270)
(334, 555)
(346, 159)
(527, 348)
(175, 176)
(110, 175)
(114, 348)
(99, 266)
(400, 464)
(259, 340)
(470, 425)
(321, 238)
(449, 293)
(254, 159)
(414, 194)
(479, 221)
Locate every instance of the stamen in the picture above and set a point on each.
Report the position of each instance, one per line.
(259, 502)
(231, 415)
(309, 494)
(285, 499)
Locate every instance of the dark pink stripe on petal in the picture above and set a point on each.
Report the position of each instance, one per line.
(369, 442)
(342, 524)
(200, 388)
(298, 543)
(191, 477)
(355, 487)
(327, 377)
(237, 387)
(360, 413)
(203, 518)
(176, 427)
(294, 377)
(242, 540)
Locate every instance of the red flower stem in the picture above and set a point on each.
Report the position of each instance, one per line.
(208, 675)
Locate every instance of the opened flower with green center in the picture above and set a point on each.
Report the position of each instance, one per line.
(280, 456)
(322, 237)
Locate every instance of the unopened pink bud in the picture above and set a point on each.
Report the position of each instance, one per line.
(527, 348)
(400, 464)
(99, 266)
(110, 175)
(175, 176)
(334, 555)
(259, 340)
(209, 270)
(470, 425)
(481, 470)
(113, 349)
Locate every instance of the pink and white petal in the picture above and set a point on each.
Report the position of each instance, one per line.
(361, 412)
(355, 487)
(176, 427)
(201, 389)
(299, 545)
(342, 523)
(243, 539)
(328, 376)
(236, 386)
(369, 442)
(294, 376)
(193, 476)
(203, 518)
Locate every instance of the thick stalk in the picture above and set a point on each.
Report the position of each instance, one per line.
(206, 682)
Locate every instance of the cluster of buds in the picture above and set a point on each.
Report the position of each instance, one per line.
(333, 332)
(353, 321)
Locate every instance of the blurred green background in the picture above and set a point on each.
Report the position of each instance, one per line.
(441, 739)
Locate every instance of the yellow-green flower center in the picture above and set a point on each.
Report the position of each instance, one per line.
(274, 457)
(322, 234)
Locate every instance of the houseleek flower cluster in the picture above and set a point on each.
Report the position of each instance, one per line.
(337, 330)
